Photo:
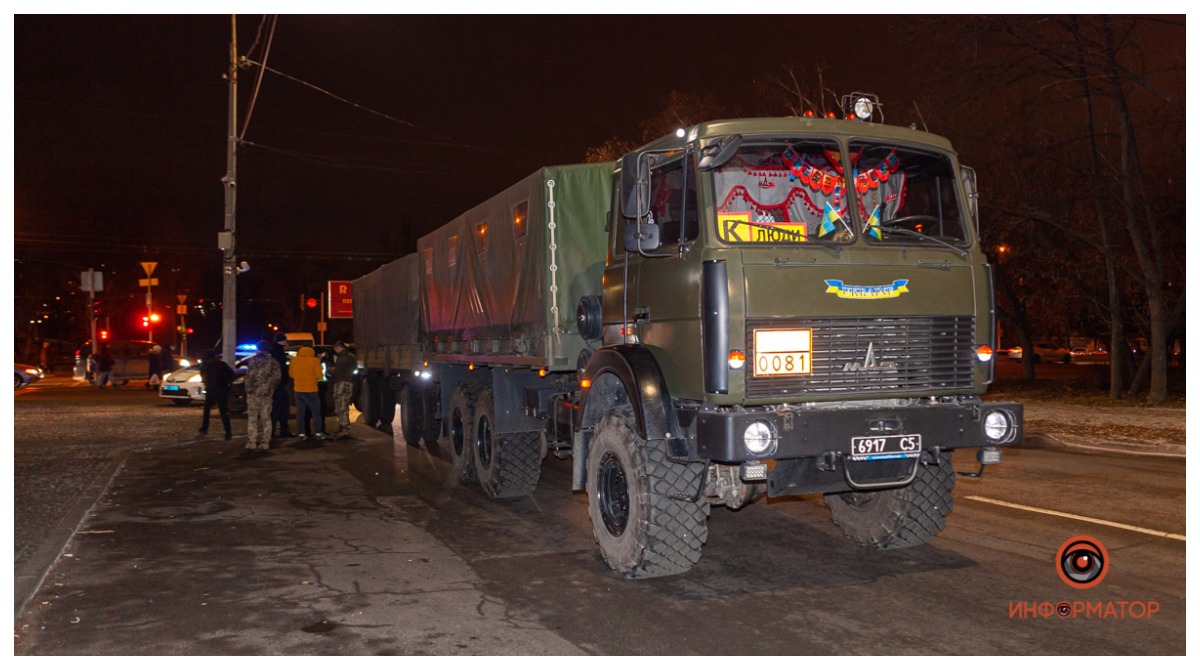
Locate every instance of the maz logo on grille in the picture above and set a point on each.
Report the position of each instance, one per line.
(869, 363)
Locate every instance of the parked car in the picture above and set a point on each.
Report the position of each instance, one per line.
(1094, 356)
(184, 385)
(1043, 353)
(27, 374)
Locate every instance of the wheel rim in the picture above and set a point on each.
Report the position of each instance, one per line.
(613, 494)
(456, 432)
(483, 441)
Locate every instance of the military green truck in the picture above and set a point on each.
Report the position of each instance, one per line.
(750, 307)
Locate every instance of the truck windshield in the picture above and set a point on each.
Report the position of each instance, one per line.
(783, 192)
(906, 196)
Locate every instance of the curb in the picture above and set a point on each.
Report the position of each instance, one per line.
(1158, 449)
(29, 578)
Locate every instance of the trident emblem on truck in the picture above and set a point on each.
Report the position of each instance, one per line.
(869, 363)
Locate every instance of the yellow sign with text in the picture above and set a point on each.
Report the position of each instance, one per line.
(738, 227)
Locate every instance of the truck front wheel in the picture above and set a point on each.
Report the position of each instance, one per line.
(898, 518)
(648, 514)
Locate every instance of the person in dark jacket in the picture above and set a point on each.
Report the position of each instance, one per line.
(281, 403)
(166, 359)
(104, 366)
(155, 362)
(344, 367)
(217, 376)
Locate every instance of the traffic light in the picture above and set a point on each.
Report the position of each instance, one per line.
(103, 335)
(97, 308)
(311, 303)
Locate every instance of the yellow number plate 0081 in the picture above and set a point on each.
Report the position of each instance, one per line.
(782, 352)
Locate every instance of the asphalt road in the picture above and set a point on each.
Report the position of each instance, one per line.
(370, 548)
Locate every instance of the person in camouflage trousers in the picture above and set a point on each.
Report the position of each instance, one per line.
(262, 376)
(345, 364)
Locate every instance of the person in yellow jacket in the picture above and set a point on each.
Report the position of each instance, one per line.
(305, 371)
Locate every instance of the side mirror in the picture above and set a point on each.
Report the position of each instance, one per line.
(971, 186)
(641, 236)
(635, 186)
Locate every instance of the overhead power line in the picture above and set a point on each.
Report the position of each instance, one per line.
(355, 105)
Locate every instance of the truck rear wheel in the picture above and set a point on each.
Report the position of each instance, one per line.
(898, 518)
(508, 465)
(648, 514)
(431, 426)
(368, 399)
(462, 431)
(411, 414)
(387, 406)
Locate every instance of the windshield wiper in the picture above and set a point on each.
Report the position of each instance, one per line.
(800, 237)
(905, 231)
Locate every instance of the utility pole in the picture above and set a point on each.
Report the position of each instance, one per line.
(227, 240)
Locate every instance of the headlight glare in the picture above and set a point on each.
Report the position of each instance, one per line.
(997, 426)
(759, 438)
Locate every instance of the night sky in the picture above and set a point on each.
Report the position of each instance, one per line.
(120, 123)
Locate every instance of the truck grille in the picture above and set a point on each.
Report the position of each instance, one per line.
(911, 353)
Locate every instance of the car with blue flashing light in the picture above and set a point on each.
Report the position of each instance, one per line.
(185, 385)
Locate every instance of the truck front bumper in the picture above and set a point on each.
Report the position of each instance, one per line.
(801, 432)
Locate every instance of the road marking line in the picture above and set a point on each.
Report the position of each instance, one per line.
(1065, 515)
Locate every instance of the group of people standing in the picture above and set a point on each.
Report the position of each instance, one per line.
(267, 399)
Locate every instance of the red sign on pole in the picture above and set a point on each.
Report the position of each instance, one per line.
(341, 300)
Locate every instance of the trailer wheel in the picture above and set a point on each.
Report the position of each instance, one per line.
(431, 426)
(387, 406)
(368, 400)
(411, 414)
(462, 431)
(508, 465)
(648, 513)
(898, 518)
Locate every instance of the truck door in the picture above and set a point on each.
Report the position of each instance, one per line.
(659, 295)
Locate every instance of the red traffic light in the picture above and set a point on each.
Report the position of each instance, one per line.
(104, 334)
(311, 302)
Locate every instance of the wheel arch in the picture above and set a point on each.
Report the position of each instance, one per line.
(624, 374)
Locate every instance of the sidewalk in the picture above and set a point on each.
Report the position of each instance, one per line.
(1132, 430)
(308, 551)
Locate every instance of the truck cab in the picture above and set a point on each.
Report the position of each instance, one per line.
(789, 306)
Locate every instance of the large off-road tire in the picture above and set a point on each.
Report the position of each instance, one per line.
(898, 518)
(387, 406)
(648, 514)
(461, 419)
(368, 400)
(508, 465)
(411, 414)
(431, 426)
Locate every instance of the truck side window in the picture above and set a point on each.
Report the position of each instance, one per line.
(520, 213)
(673, 201)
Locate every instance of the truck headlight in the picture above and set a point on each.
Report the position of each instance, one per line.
(998, 426)
(759, 438)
